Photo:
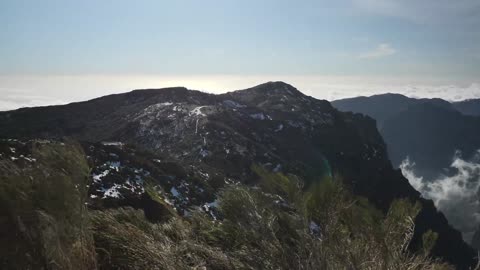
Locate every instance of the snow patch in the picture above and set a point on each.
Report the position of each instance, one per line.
(258, 116)
(120, 144)
(314, 227)
(197, 111)
(277, 168)
(115, 165)
(28, 158)
(175, 192)
(204, 174)
(203, 152)
(98, 177)
(112, 192)
(208, 207)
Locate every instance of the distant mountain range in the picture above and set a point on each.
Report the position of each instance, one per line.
(429, 131)
(204, 140)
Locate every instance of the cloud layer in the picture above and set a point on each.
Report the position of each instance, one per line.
(11, 100)
(20, 91)
(456, 195)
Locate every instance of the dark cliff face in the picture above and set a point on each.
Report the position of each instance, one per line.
(434, 134)
(428, 131)
(214, 137)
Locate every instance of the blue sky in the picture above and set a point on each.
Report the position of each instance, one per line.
(435, 39)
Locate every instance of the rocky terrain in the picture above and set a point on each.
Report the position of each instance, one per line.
(184, 146)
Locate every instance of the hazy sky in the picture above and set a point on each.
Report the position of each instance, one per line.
(59, 51)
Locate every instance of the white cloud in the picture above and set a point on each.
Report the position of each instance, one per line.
(381, 50)
(11, 100)
(456, 195)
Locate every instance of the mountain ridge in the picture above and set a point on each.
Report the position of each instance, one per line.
(226, 134)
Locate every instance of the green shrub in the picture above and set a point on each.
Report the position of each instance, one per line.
(43, 212)
(278, 225)
(124, 239)
(351, 233)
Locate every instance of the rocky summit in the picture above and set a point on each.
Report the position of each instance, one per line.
(187, 145)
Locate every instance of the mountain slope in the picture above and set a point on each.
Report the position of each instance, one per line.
(275, 225)
(468, 107)
(222, 136)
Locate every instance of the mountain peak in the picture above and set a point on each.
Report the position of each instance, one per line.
(276, 87)
(269, 88)
(275, 84)
(279, 96)
(272, 91)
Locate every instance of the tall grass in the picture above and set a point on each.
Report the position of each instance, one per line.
(44, 224)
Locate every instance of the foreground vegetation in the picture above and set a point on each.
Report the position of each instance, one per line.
(278, 224)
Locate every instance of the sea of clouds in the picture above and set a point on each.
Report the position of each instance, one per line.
(28, 91)
(457, 194)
